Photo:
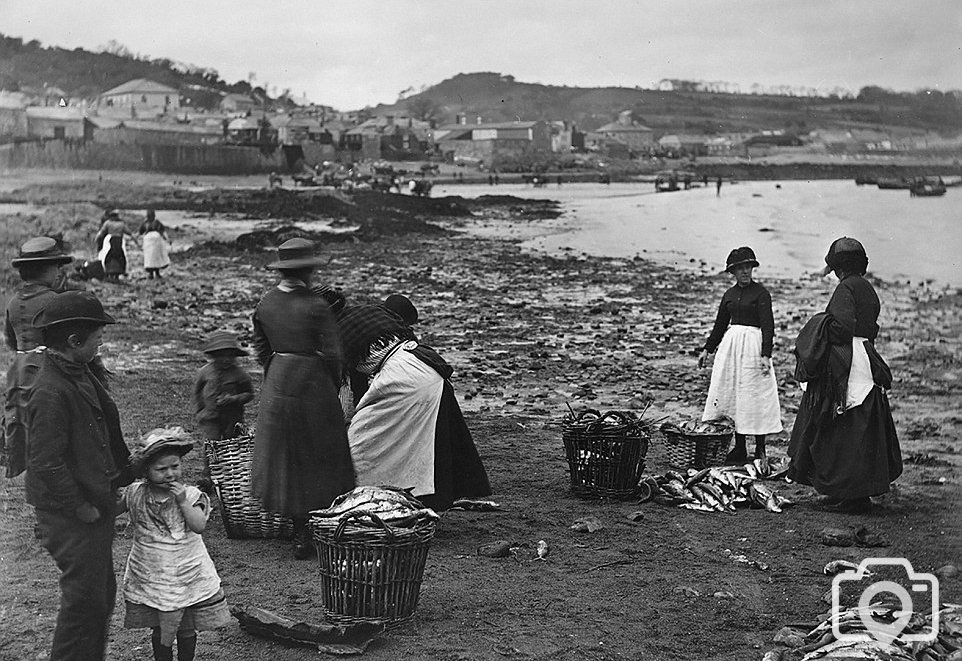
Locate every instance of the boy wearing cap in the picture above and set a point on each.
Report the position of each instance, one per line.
(40, 263)
(76, 461)
(222, 388)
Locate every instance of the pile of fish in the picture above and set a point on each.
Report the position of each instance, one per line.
(721, 488)
(389, 504)
(691, 426)
(808, 644)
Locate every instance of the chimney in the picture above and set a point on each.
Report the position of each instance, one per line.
(479, 119)
(461, 119)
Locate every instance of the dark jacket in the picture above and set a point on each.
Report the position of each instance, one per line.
(745, 306)
(27, 302)
(855, 309)
(76, 451)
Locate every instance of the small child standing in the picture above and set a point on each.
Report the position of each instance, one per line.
(170, 584)
(222, 388)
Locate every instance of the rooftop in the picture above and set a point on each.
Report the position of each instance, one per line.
(140, 86)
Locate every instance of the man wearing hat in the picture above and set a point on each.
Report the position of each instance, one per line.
(41, 264)
(301, 457)
(76, 461)
(222, 388)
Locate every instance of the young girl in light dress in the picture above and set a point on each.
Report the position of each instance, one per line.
(170, 584)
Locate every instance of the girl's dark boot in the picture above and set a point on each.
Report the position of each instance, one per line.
(739, 453)
(760, 446)
(186, 645)
(161, 652)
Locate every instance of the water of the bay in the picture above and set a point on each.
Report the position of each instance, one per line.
(789, 224)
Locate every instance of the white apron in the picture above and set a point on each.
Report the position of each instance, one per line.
(156, 251)
(739, 389)
(392, 432)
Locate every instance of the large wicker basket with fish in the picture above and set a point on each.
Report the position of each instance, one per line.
(605, 452)
(693, 444)
(230, 471)
(372, 544)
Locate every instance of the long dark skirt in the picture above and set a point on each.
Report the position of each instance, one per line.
(853, 455)
(458, 471)
(115, 261)
(301, 457)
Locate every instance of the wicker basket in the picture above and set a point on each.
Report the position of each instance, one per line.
(694, 450)
(605, 459)
(371, 572)
(230, 471)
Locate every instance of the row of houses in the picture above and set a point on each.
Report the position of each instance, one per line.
(145, 112)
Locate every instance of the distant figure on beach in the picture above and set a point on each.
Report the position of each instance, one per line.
(490, 180)
(705, 180)
(718, 187)
(743, 385)
(497, 179)
(559, 179)
(156, 245)
(110, 241)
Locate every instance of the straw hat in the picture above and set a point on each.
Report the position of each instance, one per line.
(173, 440)
(41, 249)
(71, 306)
(223, 341)
(295, 254)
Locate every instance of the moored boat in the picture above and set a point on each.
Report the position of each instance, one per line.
(894, 183)
(927, 187)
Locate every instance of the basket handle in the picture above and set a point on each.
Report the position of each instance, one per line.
(344, 520)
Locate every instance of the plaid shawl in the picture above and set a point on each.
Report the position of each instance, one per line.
(366, 328)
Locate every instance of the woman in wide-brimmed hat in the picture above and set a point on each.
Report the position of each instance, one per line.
(41, 263)
(844, 441)
(407, 430)
(111, 246)
(301, 457)
(743, 384)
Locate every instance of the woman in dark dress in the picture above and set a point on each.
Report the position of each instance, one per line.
(301, 456)
(844, 441)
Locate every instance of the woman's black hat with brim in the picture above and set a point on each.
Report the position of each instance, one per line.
(739, 256)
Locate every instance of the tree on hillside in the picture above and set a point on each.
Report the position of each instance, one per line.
(424, 108)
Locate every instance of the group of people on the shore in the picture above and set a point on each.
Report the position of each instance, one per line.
(350, 398)
(111, 246)
(844, 441)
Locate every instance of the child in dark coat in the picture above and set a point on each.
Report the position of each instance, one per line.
(222, 388)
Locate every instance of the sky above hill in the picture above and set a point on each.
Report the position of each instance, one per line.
(353, 53)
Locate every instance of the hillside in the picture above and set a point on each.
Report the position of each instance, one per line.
(83, 74)
(496, 97)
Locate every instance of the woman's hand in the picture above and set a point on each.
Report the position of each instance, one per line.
(703, 358)
(766, 364)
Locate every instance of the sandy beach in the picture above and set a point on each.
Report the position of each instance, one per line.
(528, 334)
